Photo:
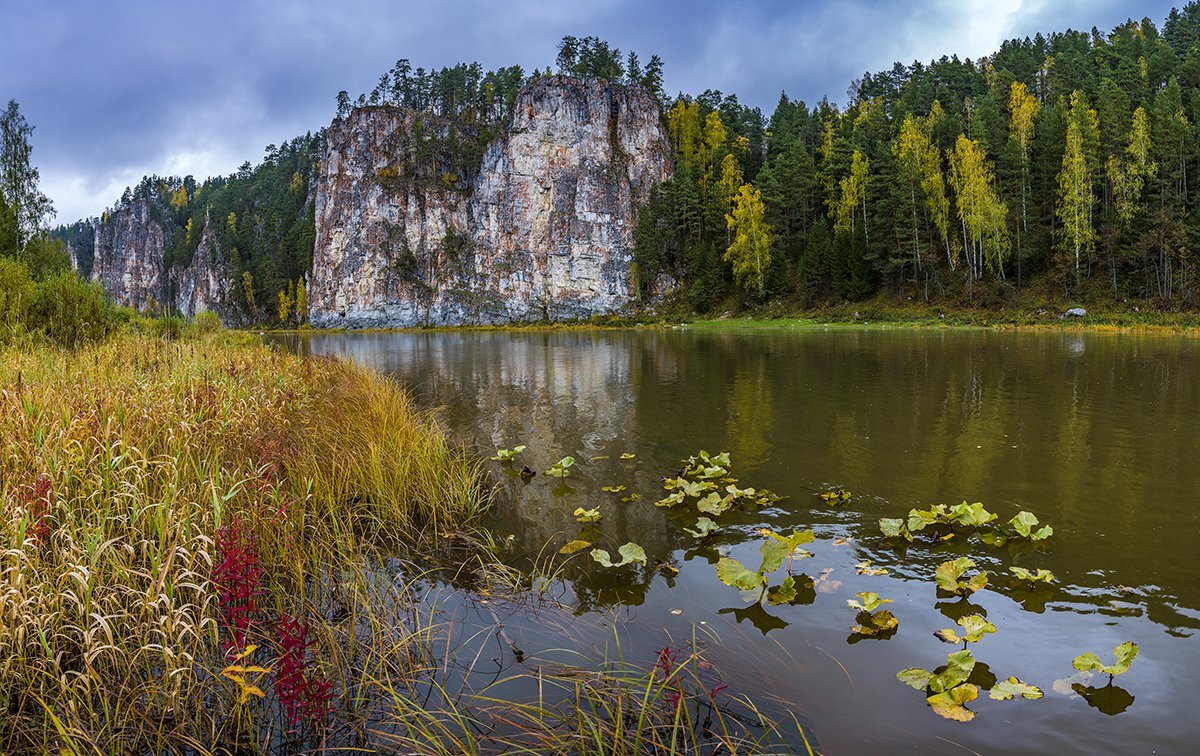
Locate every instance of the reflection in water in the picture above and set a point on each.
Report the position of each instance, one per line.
(1095, 434)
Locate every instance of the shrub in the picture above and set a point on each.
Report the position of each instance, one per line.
(70, 312)
(206, 322)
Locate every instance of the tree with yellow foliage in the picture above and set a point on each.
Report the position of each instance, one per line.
(749, 254)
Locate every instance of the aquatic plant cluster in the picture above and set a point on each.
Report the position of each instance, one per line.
(705, 481)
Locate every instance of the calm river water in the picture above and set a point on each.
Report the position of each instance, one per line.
(1096, 434)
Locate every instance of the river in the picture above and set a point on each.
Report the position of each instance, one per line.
(1097, 434)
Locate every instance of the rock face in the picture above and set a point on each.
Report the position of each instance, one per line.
(128, 259)
(130, 244)
(544, 229)
(207, 284)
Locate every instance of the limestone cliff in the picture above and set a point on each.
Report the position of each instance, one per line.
(128, 254)
(128, 259)
(542, 229)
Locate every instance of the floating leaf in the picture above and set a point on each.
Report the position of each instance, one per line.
(599, 457)
(881, 621)
(868, 601)
(975, 626)
(630, 553)
(993, 538)
(561, 468)
(779, 547)
(631, 497)
(627, 455)
(506, 455)
(951, 704)
(671, 500)
(704, 526)
(586, 515)
(947, 635)
(1006, 689)
(865, 568)
(784, 593)
(836, 496)
(1040, 576)
(714, 504)
(971, 515)
(612, 489)
(958, 669)
(732, 572)
(948, 574)
(894, 527)
(1025, 522)
(572, 546)
(1124, 653)
(915, 677)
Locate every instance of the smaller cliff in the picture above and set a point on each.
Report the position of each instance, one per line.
(128, 259)
(128, 255)
(541, 229)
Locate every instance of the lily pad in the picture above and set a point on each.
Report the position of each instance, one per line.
(868, 601)
(630, 553)
(586, 515)
(572, 546)
(704, 526)
(948, 576)
(951, 704)
(732, 572)
(1033, 576)
(784, 593)
(1124, 653)
(1006, 689)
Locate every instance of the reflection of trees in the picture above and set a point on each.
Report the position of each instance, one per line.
(750, 413)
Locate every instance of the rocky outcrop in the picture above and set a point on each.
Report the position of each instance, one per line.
(207, 284)
(128, 260)
(542, 230)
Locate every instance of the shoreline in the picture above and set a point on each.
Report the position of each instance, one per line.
(811, 320)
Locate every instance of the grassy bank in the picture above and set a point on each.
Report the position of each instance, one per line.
(198, 548)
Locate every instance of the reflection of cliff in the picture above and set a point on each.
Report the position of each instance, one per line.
(558, 394)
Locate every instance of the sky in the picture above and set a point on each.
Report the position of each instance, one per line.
(125, 89)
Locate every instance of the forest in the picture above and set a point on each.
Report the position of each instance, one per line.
(1055, 168)
(1059, 165)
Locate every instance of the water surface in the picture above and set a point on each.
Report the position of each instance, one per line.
(1097, 434)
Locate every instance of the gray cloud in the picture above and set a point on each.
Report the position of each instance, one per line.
(120, 90)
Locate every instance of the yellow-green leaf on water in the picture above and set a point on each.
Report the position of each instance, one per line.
(631, 497)
(951, 704)
(958, 669)
(1124, 653)
(1006, 689)
(869, 601)
(704, 526)
(586, 515)
(612, 489)
(732, 572)
(915, 677)
(572, 546)
(628, 456)
(783, 593)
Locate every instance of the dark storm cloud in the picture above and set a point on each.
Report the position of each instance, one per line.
(119, 90)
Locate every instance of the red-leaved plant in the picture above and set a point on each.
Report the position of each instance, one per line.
(304, 692)
(238, 577)
(35, 499)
